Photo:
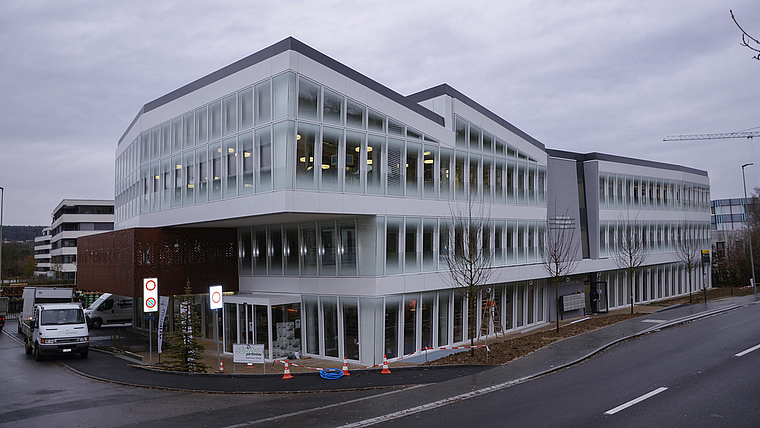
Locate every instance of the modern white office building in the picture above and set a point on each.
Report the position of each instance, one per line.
(42, 253)
(341, 191)
(56, 250)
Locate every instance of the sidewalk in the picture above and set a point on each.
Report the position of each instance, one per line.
(249, 379)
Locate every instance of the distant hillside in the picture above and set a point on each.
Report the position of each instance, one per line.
(21, 233)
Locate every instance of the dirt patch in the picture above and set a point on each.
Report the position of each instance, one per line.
(505, 350)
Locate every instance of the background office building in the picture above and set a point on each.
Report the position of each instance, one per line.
(339, 194)
(56, 250)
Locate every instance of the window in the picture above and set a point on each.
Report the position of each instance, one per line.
(393, 239)
(263, 159)
(308, 99)
(461, 133)
(263, 95)
(376, 121)
(332, 110)
(215, 170)
(177, 195)
(412, 251)
(347, 249)
(413, 158)
(176, 135)
(215, 120)
(332, 140)
(201, 125)
(395, 169)
(305, 141)
(375, 180)
(355, 113)
(245, 108)
(327, 249)
(201, 171)
(284, 96)
(230, 168)
(475, 138)
(444, 173)
(188, 125)
(429, 171)
(229, 115)
(284, 154)
(246, 173)
(189, 185)
(353, 180)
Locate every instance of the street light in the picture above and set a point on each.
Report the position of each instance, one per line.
(2, 194)
(749, 229)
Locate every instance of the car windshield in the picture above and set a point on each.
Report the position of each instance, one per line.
(97, 301)
(62, 316)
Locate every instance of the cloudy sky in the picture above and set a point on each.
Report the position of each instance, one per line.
(611, 76)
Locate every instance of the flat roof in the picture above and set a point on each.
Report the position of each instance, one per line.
(583, 157)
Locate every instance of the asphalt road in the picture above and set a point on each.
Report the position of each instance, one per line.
(683, 376)
(691, 371)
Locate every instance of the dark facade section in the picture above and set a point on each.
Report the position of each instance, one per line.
(116, 262)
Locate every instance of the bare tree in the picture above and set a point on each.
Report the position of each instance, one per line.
(560, 253)
(688, 252)
(748, 41)
(630, 251)
(470, 263)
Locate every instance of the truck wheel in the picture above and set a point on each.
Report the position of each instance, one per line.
(37, 355)
(83, 354)
(97, 322)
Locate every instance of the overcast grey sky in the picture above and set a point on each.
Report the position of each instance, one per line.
(611, 76)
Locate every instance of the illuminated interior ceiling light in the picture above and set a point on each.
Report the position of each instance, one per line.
(179, 166)
(427, 153)
(248, 185)
(157, 177)
(369, 148)
(369, 161)
(190, 186)
(230, 150)
(219, 150)
(429, 161)
(325, 166)
(247, 154)
(302, 159)
(298, 136)
(357, 149)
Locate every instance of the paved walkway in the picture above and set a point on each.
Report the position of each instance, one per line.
(553, 357)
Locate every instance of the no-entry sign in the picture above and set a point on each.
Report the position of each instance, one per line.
(150, 295)
(215, 296)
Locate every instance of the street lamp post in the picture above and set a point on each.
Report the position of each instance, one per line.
(2, 194)
(749, 229)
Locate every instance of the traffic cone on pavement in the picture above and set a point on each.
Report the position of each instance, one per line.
(287, 375)
(221, 366)
(385, 366)
(345, 367)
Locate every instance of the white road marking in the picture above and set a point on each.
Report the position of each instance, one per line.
(654, 321)
(582, 319)
(635, 401)
(314, 409)
(745, 352)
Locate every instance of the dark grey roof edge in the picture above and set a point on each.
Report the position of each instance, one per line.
(445, 89)
(624, 160)
(289, 43)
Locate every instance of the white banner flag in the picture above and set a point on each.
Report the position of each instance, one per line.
(163, 305)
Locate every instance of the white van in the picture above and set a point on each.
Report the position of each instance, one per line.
(109, 309)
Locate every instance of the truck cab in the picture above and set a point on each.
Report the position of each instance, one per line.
(58, 329)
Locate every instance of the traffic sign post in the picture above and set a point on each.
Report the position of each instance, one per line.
(216, 303)
(150, 305)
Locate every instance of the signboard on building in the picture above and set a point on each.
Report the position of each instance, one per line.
(150, 295)
(706, 256)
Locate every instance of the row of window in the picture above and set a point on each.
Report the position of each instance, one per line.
(617, 191)
(655, 236)
(287, 155)
(649, 283)
(377, 246)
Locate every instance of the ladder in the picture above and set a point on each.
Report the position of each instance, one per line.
(490, 318)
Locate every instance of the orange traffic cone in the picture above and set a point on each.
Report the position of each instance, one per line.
(287, 375)
(221, 366)
(385, 366)
(345, 367)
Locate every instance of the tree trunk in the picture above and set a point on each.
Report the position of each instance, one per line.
(556, 300)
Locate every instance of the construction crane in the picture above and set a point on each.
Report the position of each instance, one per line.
(743, 134)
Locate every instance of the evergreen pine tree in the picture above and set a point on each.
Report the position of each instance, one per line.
(186, 353)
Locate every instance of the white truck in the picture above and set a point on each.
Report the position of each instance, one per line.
(52, 324)
(3, 311)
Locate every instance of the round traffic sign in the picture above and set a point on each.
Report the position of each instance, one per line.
(216, 297)
(150, 302)
(150, 285)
